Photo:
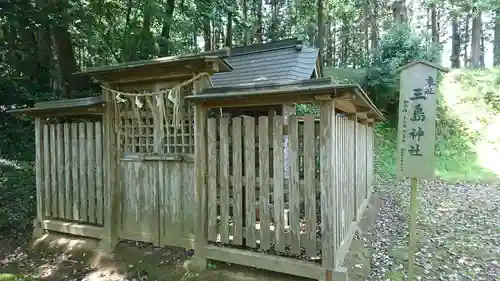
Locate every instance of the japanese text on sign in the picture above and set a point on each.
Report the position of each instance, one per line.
(416, 128)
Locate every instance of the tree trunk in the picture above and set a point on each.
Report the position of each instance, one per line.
(366, 24)
(476, 40)
(434, 26)
(329, 44)
(259, 28)
(246, 36)
(145, 44)
(165, 30)
(374, 27)
(274, 20)
(63, 49)
(496, 39)
(203, 11)
(44, 46)
(321, 32)
(481, 50)
(229, 29)
(399, 12)
(455, 42)
(466, 41)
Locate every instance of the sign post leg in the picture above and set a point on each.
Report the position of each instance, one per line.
(412, 229)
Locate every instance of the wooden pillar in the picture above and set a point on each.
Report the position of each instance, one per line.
(200, 197)
(37, 230)
(328, 185)
(354, 118)
(111, 171)
(369, 156)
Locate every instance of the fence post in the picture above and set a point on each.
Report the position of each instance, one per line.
(37, 228)
(328, 184)
(111, 169)
(200, 205)
(354, 118)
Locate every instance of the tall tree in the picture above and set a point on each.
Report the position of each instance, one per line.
(321, 31)
(496, 38)
(168, 13)
(455, 41)
(259, 25)
(476, 39)
(374, 26)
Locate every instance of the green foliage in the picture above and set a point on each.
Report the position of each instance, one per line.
(398, 47)
(17, 196)
(15, 277)
(302, 109)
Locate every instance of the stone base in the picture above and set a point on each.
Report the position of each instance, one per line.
(38, 231)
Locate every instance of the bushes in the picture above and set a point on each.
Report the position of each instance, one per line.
(17, 197)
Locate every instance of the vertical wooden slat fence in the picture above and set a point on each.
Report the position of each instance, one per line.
(280, 213)
(310, 214)
(71, 171)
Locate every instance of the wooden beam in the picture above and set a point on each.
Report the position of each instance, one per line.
(74, 228)
(264, 261)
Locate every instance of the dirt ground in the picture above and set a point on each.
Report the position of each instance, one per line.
(458, 239)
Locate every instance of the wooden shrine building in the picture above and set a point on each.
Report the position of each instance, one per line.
(175, 154)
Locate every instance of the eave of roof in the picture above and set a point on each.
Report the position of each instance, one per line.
(217, 55)
(277, 93)
(63, 107)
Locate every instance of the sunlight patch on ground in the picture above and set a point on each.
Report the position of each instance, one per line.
(467, 105)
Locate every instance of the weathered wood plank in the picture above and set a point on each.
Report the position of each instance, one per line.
(355, 156)
(83, 171)
(200, 168)
(163, 196)
(342, 178)
(249, 127)
(327, 149)
(91, 172)
(40, 188)
(264, 210)
(293, 163)
(336, 182)
(237, 181)
(310, 189)
(224, 178)
(264, 261)
(279, 199)
(68, 200)
(98, 172)
(46, 171)
(53, 171)
(60, 170)
(75, 181)
(212, 177)
(177, 215)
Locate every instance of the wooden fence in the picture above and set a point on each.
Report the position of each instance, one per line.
(70, 171)
(268, 199)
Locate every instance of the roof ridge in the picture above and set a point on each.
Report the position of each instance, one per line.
(266, 47)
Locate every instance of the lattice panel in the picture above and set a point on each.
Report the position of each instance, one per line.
(137, 127)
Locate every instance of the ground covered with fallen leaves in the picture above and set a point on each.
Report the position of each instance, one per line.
(458, 239)
(458, 232)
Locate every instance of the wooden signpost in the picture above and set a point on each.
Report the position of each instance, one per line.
(416, 134)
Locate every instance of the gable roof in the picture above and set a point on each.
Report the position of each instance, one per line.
(280, 61)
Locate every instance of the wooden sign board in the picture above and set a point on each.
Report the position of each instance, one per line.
(416, 124)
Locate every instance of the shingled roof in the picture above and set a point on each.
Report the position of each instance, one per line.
(281, 61)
